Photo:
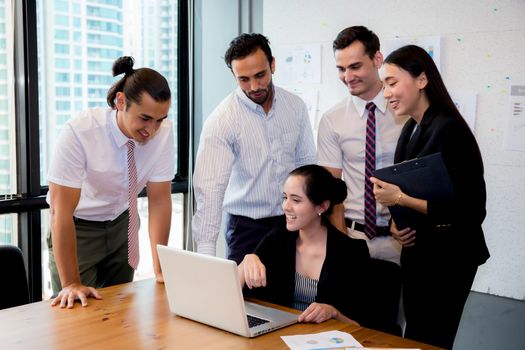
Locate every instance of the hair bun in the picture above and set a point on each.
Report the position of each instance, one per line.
(339, 191)
(124, 65)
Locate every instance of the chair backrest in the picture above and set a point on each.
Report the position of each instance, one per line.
(384, 292)
(14, 291)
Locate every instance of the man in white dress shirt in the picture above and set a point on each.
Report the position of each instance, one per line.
(249, 144)
(102, 160)
(342, 132)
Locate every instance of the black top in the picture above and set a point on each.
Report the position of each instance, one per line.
(342, 280)
(451, 228)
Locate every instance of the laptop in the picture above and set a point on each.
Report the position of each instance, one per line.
(207, 289)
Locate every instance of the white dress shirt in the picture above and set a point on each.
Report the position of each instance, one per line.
(243, 159)
(91, 154)
(341, 145)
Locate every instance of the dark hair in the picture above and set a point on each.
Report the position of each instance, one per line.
(246, 44)
(136, 81)
(367, 37)
(415, 61)
(320, 185)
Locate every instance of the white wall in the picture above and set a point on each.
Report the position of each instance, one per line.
(482, 50)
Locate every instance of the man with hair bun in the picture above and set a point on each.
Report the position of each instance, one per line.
(102, 160)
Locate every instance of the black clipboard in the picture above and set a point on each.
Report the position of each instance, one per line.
(425, 178)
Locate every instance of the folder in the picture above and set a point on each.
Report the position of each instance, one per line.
(423, 178)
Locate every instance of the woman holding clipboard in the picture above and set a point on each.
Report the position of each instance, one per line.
(441, 255)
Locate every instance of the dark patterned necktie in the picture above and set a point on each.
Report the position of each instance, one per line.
(133, 224)
(370, 166)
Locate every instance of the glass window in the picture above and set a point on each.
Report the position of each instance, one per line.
(62, 77)
(61, 20)
(61, 5)
(99, 30)
(61, 34)
(8, 229)
(63, 91)
(61, 49)
(63, 105)
(8, 184)
(62, 63)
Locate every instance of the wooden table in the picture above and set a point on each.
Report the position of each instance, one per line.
(136, 316)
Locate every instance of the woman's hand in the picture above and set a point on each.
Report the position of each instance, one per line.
(252, 272)
(385, 193)
(317, 313)
(406, 236)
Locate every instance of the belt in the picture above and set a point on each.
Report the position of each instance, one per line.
(271, 220)
(100, 223)
(380, 230)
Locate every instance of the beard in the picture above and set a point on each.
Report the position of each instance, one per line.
(262, 95)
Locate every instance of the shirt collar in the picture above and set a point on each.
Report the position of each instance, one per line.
(252, 105)
(360, 104)
(118, 135)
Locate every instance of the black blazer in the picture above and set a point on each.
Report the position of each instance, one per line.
(342, 276)
(451, 228)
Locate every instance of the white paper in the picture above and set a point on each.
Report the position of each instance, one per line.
(297, 64)
(321, 341)
(515, 134)
(431, 44)
(465, 101)
(310, 96)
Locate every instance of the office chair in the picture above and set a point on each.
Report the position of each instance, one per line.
(384, 287)
(14, 291)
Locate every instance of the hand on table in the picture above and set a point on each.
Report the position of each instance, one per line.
(75, 291)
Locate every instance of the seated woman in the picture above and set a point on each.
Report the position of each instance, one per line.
(310, 266)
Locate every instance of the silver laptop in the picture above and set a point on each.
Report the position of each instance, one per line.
(206, 289)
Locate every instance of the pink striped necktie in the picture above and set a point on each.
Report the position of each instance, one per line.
(133, 224)
(370, 166)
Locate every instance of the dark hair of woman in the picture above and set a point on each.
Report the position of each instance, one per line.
(135, 82)
(320, 185)
(415, 61)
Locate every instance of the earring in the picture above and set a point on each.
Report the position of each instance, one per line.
(319, 213)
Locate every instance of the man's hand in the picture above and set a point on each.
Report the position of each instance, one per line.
(159, 277)
(72, 292)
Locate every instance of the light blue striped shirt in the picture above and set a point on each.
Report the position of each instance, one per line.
(243, 159)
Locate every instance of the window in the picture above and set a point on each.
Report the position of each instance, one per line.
(8, 163)
(72, 70)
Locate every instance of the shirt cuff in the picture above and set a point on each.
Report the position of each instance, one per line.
(208, 248)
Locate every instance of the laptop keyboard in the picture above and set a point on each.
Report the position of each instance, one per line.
(255, 321)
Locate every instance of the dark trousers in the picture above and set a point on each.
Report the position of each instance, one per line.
(243, 234)
(102, 253)
(434, 294)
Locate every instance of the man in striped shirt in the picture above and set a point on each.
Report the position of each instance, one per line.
(248, 145)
